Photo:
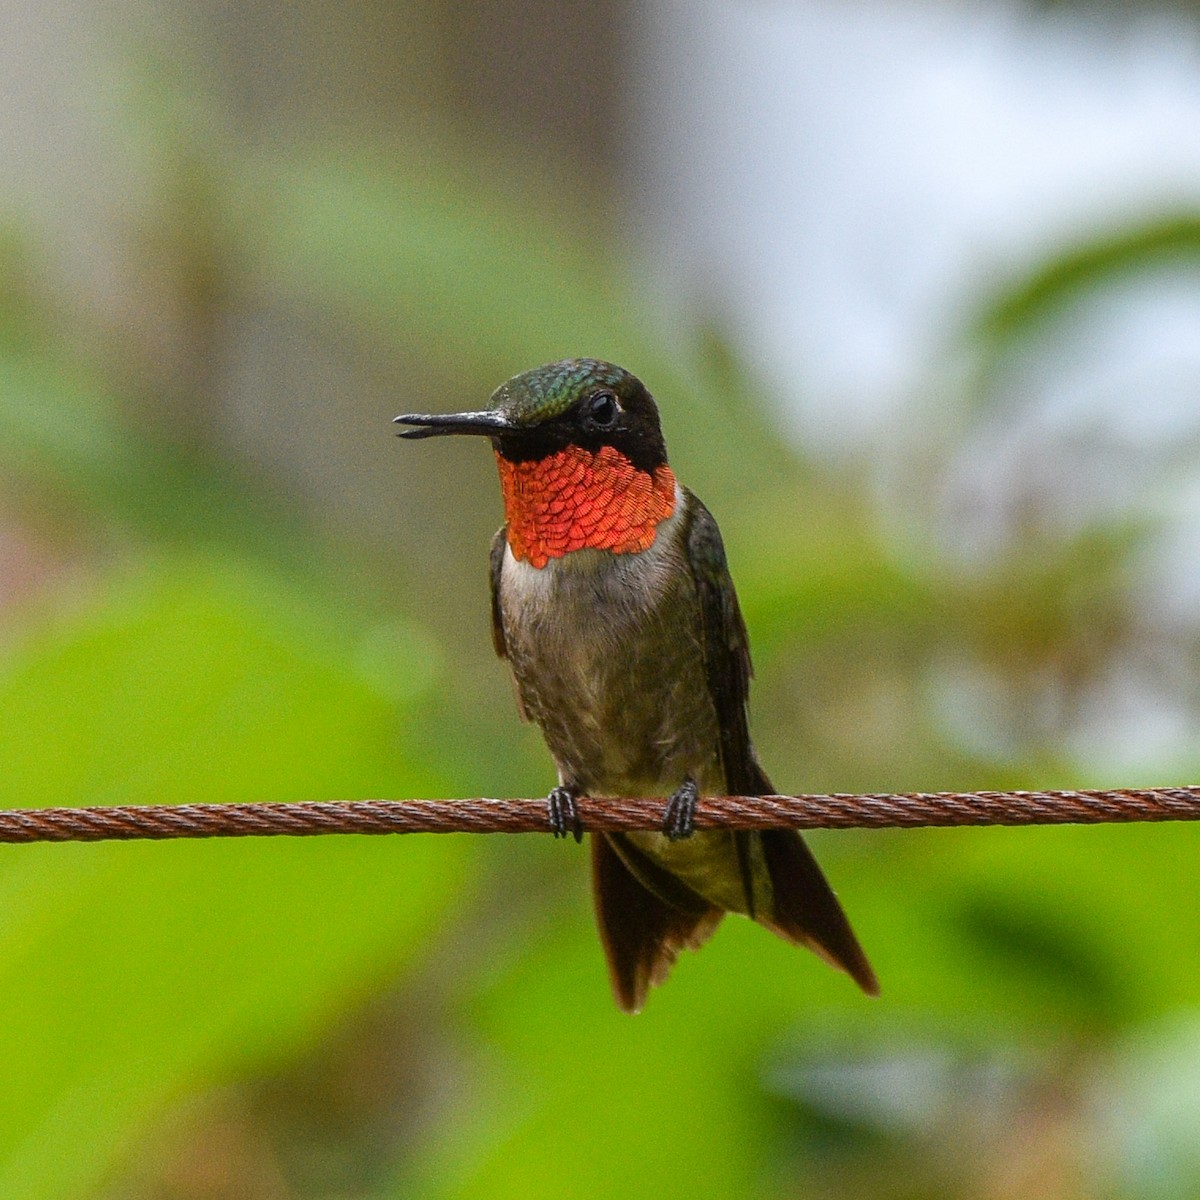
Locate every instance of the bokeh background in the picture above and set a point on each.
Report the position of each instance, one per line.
(917, 287)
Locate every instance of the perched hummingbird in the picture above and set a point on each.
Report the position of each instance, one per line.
(612, 602)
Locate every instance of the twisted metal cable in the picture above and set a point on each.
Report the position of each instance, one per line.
(838, 811)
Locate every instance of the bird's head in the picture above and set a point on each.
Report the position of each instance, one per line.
(576, 402)
(582, 460)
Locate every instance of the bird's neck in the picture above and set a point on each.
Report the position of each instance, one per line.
(579, 499)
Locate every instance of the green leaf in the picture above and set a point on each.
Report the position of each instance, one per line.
(1080, 270)
(131, 973)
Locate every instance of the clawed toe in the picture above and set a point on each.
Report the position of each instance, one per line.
(679, 821)
(564, 813)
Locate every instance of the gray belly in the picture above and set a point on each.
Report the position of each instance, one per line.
(607, 657)
(608, 661)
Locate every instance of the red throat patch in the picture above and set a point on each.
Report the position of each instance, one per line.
(579, 499)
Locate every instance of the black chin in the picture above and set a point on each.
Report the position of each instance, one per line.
(534, 443)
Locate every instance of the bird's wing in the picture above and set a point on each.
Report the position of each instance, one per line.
(495, 565)
(728, 670)
(726, 652)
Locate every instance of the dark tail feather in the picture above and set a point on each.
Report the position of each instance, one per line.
(641, 932)
(805, 910)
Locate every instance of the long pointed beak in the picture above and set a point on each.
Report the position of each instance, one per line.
(489, 424)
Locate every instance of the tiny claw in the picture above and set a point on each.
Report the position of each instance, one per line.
(564, 813)
(679, 821)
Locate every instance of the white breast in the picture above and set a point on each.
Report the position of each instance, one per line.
(591, 593)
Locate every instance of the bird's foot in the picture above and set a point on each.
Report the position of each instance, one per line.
(564, 813)
(679, 821)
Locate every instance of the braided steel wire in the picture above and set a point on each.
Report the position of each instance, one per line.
(481, 815)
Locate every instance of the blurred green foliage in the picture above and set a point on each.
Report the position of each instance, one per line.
(192, 635)
(137, 971)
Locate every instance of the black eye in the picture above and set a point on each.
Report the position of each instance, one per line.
(602, 410)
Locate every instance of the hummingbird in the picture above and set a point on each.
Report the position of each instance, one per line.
(613, 605)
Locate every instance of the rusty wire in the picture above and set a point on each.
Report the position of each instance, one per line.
(874, 811)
